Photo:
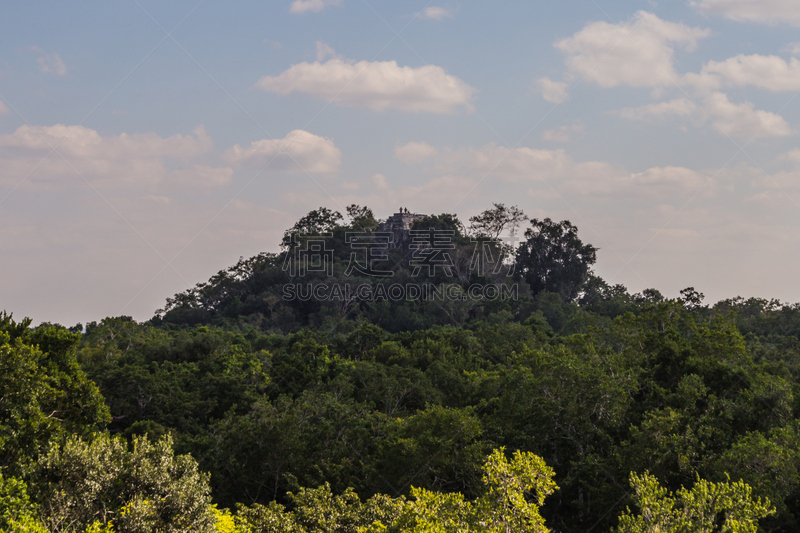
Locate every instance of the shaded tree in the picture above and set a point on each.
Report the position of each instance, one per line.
(552, 258)
(361, 218)
(316, 222)
(44, 394)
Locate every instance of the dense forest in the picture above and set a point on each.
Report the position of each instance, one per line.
(568, 405)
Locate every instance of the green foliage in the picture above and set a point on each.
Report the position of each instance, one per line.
(401, 402)
(707, 507)
(322, 220)
(14, 330)
(492, 222)
(321, 511)
(434, 512)
(224, 521)
(44, 394)
(504, 506)
(361, 218)
(17, 512)
(443, 222)
(436, 448)
(146, 488)
(554, 259)
(670, 388)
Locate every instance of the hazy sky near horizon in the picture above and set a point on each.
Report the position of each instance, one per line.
(146, 145)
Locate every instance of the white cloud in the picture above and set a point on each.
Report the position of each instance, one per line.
(297, 152)
(743, 120)
(702, 82)
(763, 11)
(436, 13)
(123, 160)
(728, 118)
(654, 183)
(680, 107)
(377, 85)
(518, 164)
(792, 155)
(767, 72)
(556, 169)
(781, 182)
(50, 62)
(380, 182)
(553, 91)
(3, 108)
(414, 152)
(158, 199)
(324, 51)
(564, 133)
(202, 176)
(638, 53)
(79, 141)
(314, 6)
(793, 48)
(670, 178)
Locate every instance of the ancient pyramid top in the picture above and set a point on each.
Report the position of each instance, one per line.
(399, 224)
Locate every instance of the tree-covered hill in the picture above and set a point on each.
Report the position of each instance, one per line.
(570, 405)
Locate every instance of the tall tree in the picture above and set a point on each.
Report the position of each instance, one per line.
(44, 394)
(492, 222)
(552, 258)
(361, 218)
(316, 222)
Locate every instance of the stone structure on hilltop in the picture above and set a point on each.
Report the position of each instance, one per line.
(399, 225)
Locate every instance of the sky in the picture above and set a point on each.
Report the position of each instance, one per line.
(146, 145)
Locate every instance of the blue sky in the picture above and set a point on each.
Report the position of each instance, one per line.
(146, 145)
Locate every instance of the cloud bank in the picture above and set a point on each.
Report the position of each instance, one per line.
(771, 12)
(83, 154)
(636, 53)
(299, 151)
(377, 85)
